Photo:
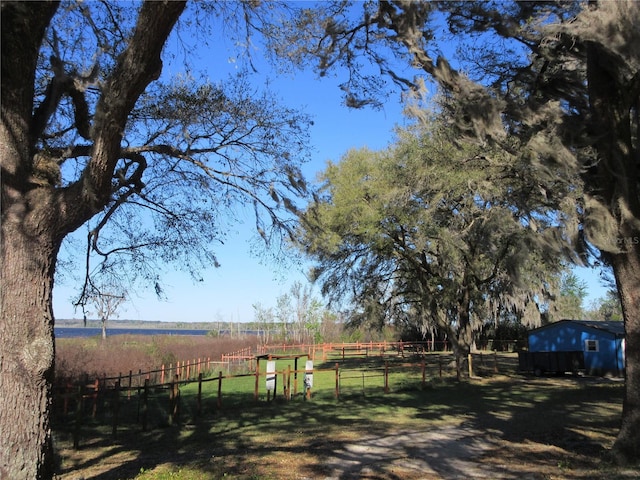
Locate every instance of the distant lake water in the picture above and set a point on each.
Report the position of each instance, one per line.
(71, 332)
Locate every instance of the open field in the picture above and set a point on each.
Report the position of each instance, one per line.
(497, 426)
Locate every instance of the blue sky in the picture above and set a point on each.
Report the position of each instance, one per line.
(228, 293)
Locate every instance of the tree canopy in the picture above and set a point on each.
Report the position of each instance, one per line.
(193, 151)
(570, 298)
(434, 234)
(92, 135)
(562, 78)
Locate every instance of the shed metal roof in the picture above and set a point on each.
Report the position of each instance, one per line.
(617, 328)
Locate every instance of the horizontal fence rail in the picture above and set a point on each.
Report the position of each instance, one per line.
(382, 348)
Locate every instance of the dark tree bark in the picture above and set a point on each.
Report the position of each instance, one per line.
(36, 216)
(614, 102)
(626, 448)
(28, 251)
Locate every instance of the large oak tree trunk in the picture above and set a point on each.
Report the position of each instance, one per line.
(37, 215)
(27, 255)
(627, 268)
(27, 358)
(612, 186)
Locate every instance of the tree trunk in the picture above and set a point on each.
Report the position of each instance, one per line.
(27, 254)
(626, 449)
(613, 183)
(27, 358)
(464, 334)
(37, 215)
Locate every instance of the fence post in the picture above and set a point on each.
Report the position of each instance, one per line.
(162, 375)
(76, 429)
(255, 390)
(116, 408)
(287, 387)
(220, 389)
(470, 365)
(386, 377)
(275, 384)
(174, 401)
(145, 404)
(337, 381)
(94, 397)
(67, 391)
(171, 402)
(199, 410)
(424, 372)
(495, 361)
(440, 364)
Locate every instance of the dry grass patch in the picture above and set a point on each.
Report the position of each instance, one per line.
(118, 354)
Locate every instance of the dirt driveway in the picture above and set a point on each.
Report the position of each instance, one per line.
(461, 452)
(450, 452)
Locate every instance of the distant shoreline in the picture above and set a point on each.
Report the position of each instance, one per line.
(140, 324)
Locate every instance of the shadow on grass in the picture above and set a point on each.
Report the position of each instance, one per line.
(318, 438)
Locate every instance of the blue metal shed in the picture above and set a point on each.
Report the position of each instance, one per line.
(602, 343)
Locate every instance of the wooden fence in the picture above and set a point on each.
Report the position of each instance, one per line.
(185, 369)
(245, 359)
(123, 402)
(238, 357)
(323, 351)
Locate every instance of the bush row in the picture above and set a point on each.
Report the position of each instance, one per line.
(94, 357)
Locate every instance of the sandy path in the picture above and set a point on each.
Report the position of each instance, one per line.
(446, 453)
